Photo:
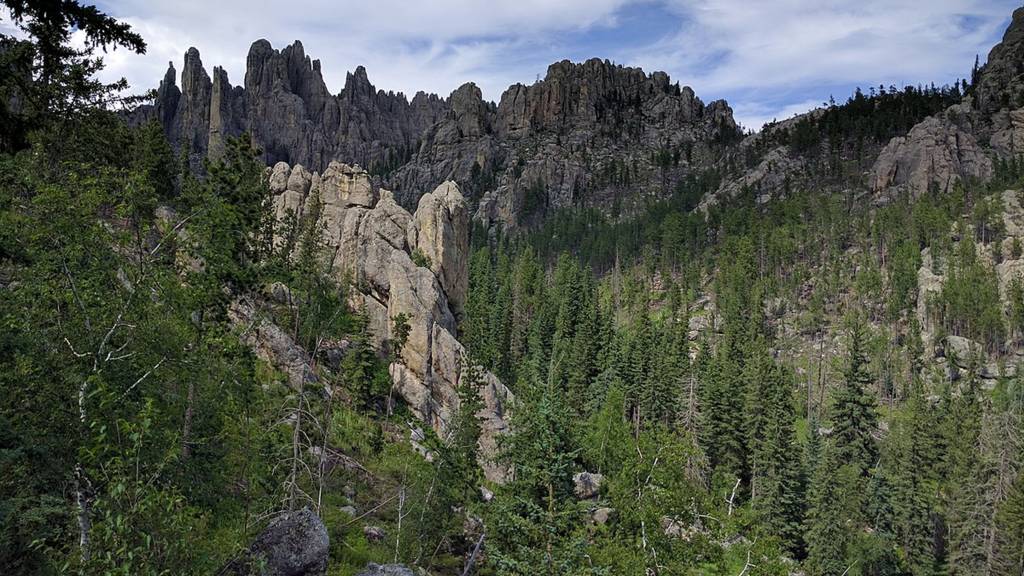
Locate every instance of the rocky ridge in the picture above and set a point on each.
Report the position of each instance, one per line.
(287, 109)
(590, 134)
(584, 135)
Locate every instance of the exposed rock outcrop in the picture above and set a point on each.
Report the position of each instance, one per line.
(587, 484)
(294, 544)
(771, 178)
(937, 152)
(272, 344)
(999, 83)
(371, 242)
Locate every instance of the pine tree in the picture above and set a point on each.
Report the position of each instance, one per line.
(777, 482)
(966, 476)
(827, 533)
(854, 417)
(537, 512)
(1008, 559)
(908, 496)
(607, 439)
(459, 471)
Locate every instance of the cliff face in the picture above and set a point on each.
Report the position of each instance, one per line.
(962, 142)
(371, 241)
(586, 135)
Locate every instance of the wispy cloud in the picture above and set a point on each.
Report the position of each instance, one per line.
(770, 55)
(770, 59)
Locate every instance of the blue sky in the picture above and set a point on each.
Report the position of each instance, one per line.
(768, 58)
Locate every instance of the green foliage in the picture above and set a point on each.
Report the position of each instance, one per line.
(854, 416)
(606, 441)
(828, 536)
(1009, 532)
(420, 259)
(535, 518)
(969, 303)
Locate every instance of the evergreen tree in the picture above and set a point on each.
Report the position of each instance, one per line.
(777, 481)
(606, 442)
(1008, 558)
(908, 497)
(854, 416)
(827, 535)
(536, 514)
(459, 471)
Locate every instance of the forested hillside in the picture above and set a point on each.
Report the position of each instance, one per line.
(696, 352)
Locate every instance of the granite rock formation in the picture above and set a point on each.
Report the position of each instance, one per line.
(371, 243)
(584, 135)
(589, 134)
(936, 153)
(290, 114)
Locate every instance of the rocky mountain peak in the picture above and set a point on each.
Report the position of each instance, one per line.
(999, 85)
(595, 92)
(357, 85)
(471, 114)
(582, 120)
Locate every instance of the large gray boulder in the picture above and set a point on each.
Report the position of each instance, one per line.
(294, 544)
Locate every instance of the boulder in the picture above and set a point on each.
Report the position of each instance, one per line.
(601, 516)
(587, 484)
(386, 570)
(374, 533)
(294, 544)
(962, 350)
(675, 529)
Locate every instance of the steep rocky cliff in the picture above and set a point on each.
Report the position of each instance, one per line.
(963, 141)
(588, 134)
(396, 264)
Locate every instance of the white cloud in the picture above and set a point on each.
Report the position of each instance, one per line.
(779, 47)
(406, 46)
(769, 58)
(754, 115)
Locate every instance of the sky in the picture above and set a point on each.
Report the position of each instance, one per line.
(770, 59)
